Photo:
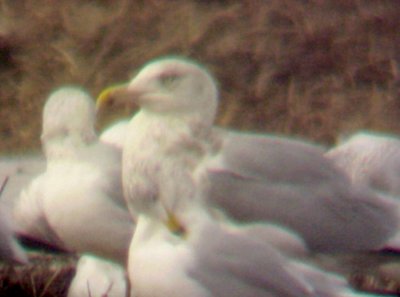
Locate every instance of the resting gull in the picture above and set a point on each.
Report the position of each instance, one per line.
(77, 203)
(255, 177)
(178, 247)
(372, 159)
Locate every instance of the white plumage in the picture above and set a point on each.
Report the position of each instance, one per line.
(178, 248)
(77, 202)
(258, 177)
(97, 277)
(115, 134)
(19, 170)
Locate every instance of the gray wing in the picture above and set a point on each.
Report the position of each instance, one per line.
(20, 170)
(262, 179)
(281, 238)
(22, 164)
(236, 265)
(324, 283)
(10, 251)
(277, 158)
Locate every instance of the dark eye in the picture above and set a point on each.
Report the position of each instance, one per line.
(169, 79)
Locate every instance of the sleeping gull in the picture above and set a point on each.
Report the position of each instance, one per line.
(178, 248)
(256, 177)
(97, 277)
(77, 203)
(372, 159)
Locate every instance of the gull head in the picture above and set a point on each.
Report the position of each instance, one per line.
(169, 86)
(69, 114)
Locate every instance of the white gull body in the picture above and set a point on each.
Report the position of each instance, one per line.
(77, 203)
(260, 177)
(178, 248)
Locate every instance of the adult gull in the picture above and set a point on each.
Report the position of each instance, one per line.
(373, 160)
(178, 247)
(370, 158)
(77, 203)
(254, 177)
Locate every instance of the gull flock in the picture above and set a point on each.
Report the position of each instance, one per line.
(168, 204)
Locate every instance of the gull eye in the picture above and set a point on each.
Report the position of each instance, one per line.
(168, 79)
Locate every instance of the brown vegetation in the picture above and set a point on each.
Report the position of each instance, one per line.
(44, 276)
(315, 68)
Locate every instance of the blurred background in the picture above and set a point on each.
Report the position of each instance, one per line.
(310, 68)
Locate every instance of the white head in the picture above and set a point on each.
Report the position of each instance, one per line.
(171, 86)
(68, 115)
(174, 89)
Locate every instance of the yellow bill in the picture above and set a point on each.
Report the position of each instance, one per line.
(109, 93)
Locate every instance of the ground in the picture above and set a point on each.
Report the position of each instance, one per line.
(317, 69)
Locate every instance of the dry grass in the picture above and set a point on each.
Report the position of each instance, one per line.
(44, 276)
(312, 68)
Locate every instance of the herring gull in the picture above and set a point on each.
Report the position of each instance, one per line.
(370, 158)
(252, 177)
(77, 203)
(203, 257)
(373, 160)
(291, 182)
(178, 248)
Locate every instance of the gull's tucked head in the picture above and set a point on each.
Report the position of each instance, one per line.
(69, 112)
(170, 86)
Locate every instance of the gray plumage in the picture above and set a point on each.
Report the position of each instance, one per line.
(10, 250)
(19, 170)
(178, 247)
(370, 158)
(257, 178)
